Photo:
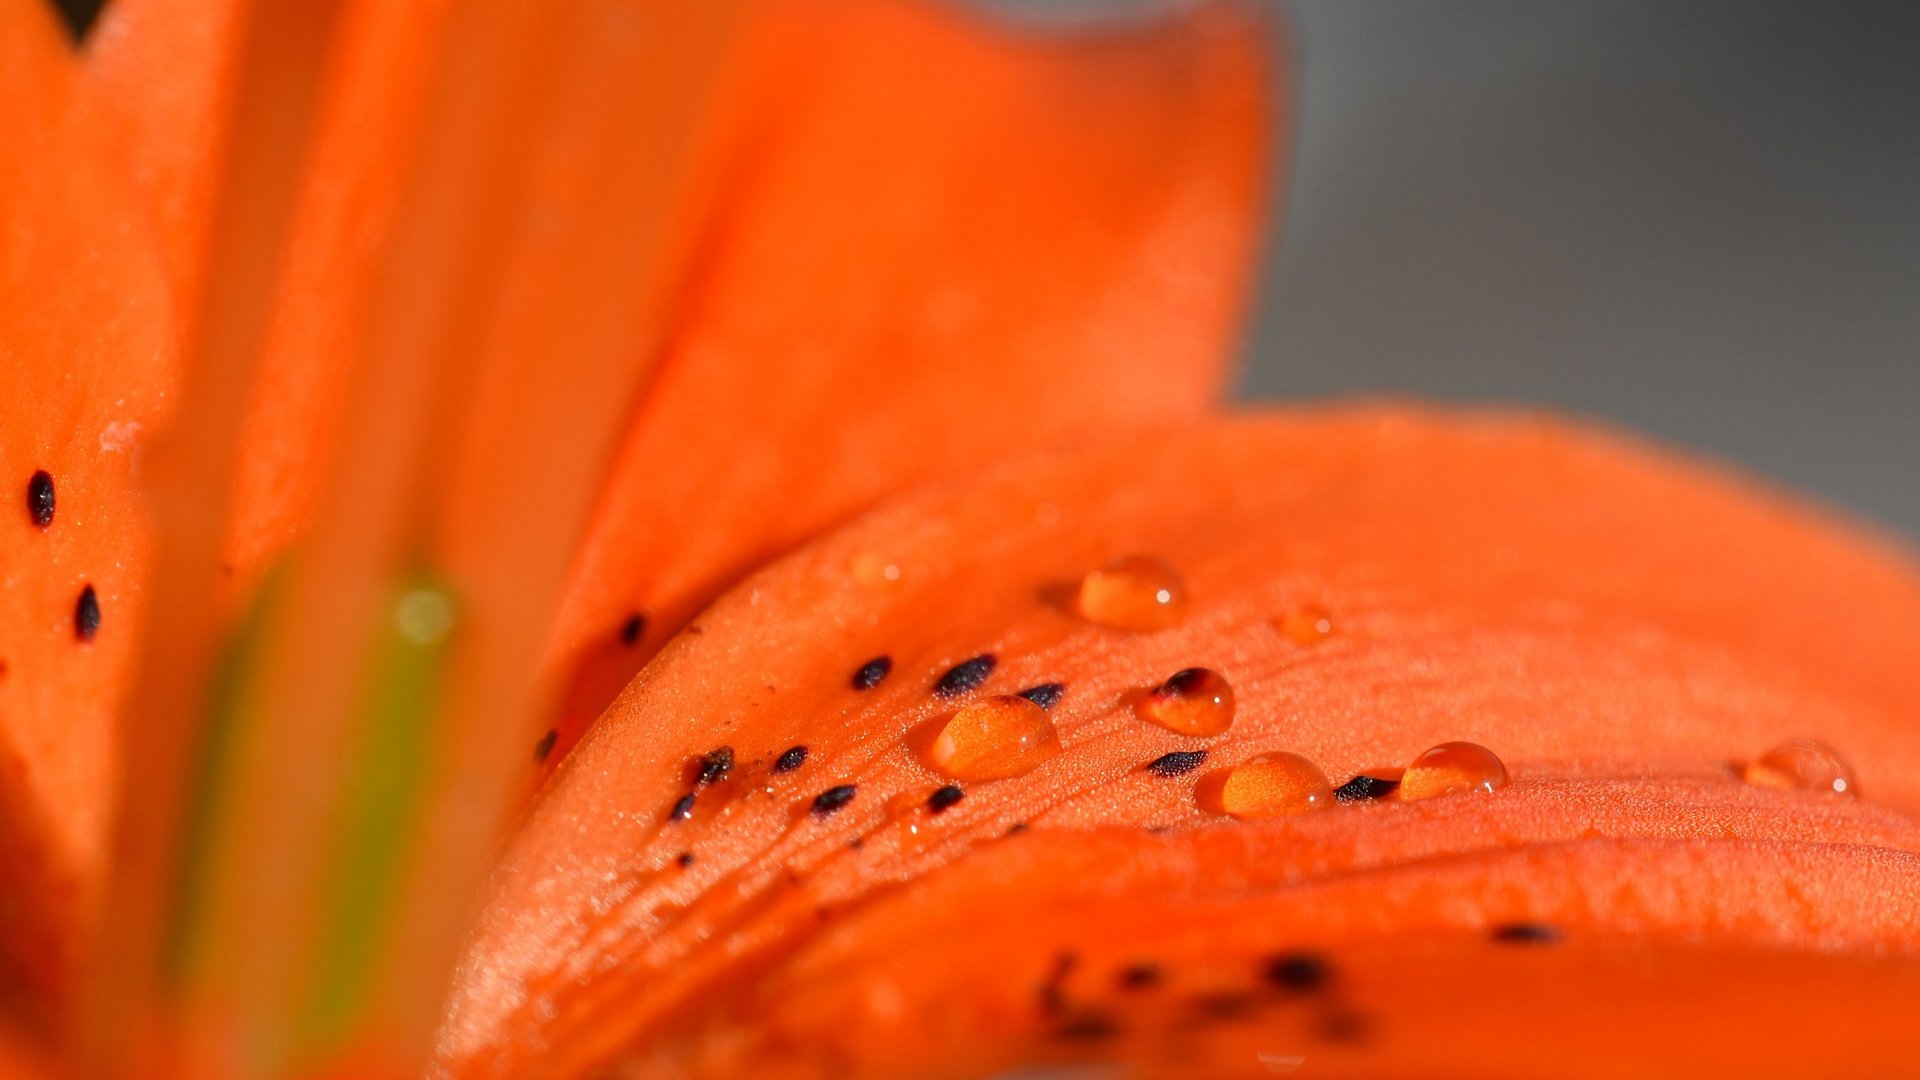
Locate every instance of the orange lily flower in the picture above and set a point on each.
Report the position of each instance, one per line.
(624, 538)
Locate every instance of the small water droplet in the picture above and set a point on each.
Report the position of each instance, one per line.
(1195, 701)
(1135, 592)
(1308, 625)
(1279, 784)
(994, 739)
(1451, 769)
(1801, 764)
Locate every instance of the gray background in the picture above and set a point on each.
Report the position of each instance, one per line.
(1701, 220)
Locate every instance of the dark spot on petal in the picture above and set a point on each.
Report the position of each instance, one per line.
(40, 498)
(1345, 1025)
(1362, 788)
(714, 765)
(1178, 763)
(965, 676)
(684, 859)
(631, 630)
(683, 809)
(791, 759)
(872, 673)
(1016, 828)
(833, 799)
(544, 748)
(79, 15)
(1525, 934)
(1052, 992)
(86, 615)
(1046, 695)
(1139, 977)
(1088, 1026)
(945, 797)
(1299, 972)
(857, 843)
(1223, 1006)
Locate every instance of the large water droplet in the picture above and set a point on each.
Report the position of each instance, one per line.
(994, 739)
(1279, 784)
(1135, 592)
(1452, 768)
(1195, 701)
(1802, 764)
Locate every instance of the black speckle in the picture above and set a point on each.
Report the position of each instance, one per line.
(1016, 828)
(965, 676)
(833, 799)
(1345, 1025)
(1052, 992)
(714, 766)
(792, 758)
(86, 615)
(684, 859)
(1178, 763)
(857, 843)
(872, 673)
(631, 630)
(1299, 972)
(79, 15)
(1226, 1006)
(544, 748)
(945, 797)
(683, 809)
(1362, 788)
(1139, 977)
(1088, 1026)
(1046, 695)
(1525, 933)
(40, 498)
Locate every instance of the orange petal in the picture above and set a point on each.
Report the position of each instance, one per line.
(1617, 626)
(87, 363)
(946, 241)
(164, 72)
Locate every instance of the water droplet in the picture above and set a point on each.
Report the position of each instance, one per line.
(872, 673)
(40, 498)
(1802, 764)
(1279, 784)
(86, 615)
(790, 759)
(994, 739)
(1195, 701)
(1309, 625)
(1452, 768)
(1135, 592)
